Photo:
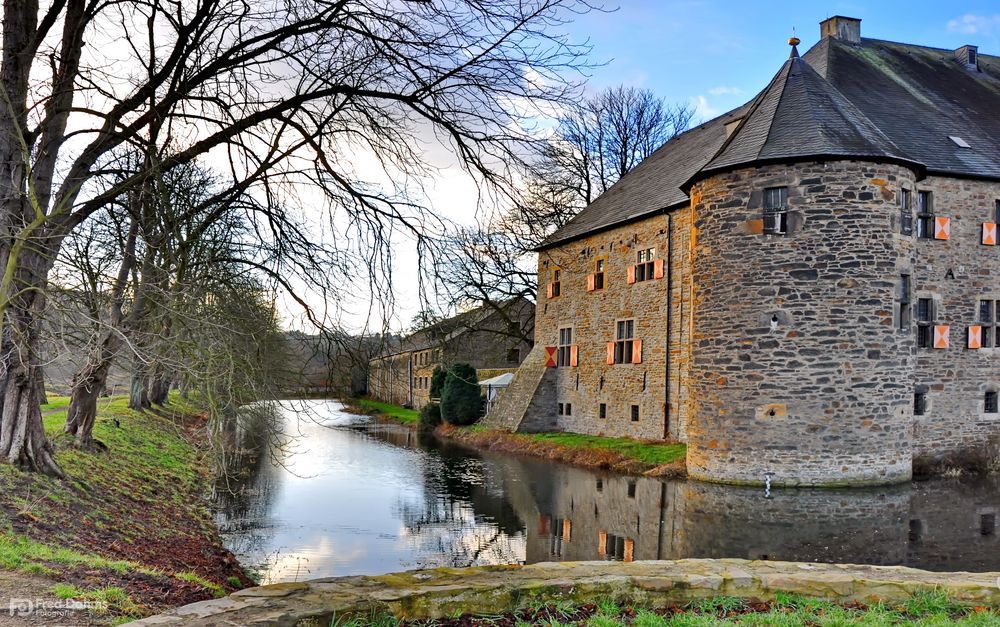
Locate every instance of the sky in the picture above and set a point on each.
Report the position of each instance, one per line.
(714, 56)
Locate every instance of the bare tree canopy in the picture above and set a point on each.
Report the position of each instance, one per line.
(290, 96)
(595, 143)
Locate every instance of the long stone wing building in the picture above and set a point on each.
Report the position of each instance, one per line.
(493, 339)
(806, 287)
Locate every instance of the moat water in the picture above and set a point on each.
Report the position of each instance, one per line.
(340, 494)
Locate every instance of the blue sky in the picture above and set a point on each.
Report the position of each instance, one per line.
(719, 54)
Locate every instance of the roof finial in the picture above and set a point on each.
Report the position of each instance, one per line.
(794, 41)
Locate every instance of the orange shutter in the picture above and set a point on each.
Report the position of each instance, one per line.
(548, 290)
(602, 542)
(941, 333)
(636, 351)
(574, 355)
(590, 282)
(567, 529)
(631, 275)
(543, 526)
(629, 551)
(975, 336)
(550, 356)
(942, 228)
(658, 269)
(611, 353)
(989, 234)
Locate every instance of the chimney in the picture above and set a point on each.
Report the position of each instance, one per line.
(843, 28)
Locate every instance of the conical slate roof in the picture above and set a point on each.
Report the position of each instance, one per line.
(801, 115)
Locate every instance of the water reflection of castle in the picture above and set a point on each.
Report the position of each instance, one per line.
(573, 514)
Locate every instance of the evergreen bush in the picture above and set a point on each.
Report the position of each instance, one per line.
(461, 402)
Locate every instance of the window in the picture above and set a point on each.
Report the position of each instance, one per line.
(565, 348)
(987, 524)
(925, 215)
(599, 273)
(972, 56)
(925, 322)
(560, 409)
(631, 489)
(905, 213)
(644, 264)
(555, 286)
(513, 355)
(996, 212)
(624, 340)
(602, 410)
(990, 402)
(916, 530)
(904, 301)
(986, 313)
(635, 413)
(776, 210)
(569, 409)
(919, 404)
(600, 484)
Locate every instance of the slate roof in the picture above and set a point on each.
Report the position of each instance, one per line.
(875, 100)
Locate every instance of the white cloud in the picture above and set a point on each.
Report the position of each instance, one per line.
(722, 90)
(972, 24)
(703, 110)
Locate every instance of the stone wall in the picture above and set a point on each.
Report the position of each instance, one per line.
(799, 368)
(593, 315)
(957, 273)
(446, 592)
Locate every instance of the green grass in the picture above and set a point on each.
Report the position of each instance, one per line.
(655, 454)
(20, 553)
(402, 414)
(929, 609)
(110, 600)
(215, 588)
(55, 402)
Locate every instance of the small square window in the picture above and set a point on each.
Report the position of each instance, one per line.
(996, 212)
(560, 408)
(602, 410)
(631, 489)
(600, 484)
(987, 524)
(635, 413)
(986, 311)
(569, 409)
(919, 404)
(905, 213)
(513, 355)
(990, 402)
(925, 215)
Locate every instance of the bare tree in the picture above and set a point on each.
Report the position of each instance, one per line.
(595, 144)
(284, 93)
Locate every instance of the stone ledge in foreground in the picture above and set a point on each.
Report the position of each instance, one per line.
(444, 592)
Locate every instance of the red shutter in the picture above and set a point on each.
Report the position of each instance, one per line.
(658, 269)
(550, 356)
(629, 554)
(548, 291)
(942, 228)
(574, 354)
(611, 353)
(631, 275)
(543, 525)
(989, 234)
(636, 351)
(590, 282)
(975, 336)
(941, 333)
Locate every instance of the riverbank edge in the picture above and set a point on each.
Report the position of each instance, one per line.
(591, 455)
(448, 592)
(132, 528)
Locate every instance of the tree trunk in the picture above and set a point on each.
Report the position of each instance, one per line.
(138, 397)
(88, 385)
(159, 387)
(43, 397)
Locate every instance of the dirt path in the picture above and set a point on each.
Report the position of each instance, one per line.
(34, 591)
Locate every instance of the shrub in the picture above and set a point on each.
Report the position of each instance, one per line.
(460, 399)
(430, 416)
(437, 382)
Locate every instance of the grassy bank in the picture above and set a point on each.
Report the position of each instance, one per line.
(786, 610)
(618, 454)
(131, 528)
(367, 407)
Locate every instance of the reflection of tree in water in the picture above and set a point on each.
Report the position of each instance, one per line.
(460, 521)
(245, 485)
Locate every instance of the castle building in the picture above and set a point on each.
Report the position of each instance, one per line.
(493, 338)
(807, 287)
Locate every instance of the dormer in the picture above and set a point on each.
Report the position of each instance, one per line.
(968, 56)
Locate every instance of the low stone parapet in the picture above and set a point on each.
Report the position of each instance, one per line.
(445, 592)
